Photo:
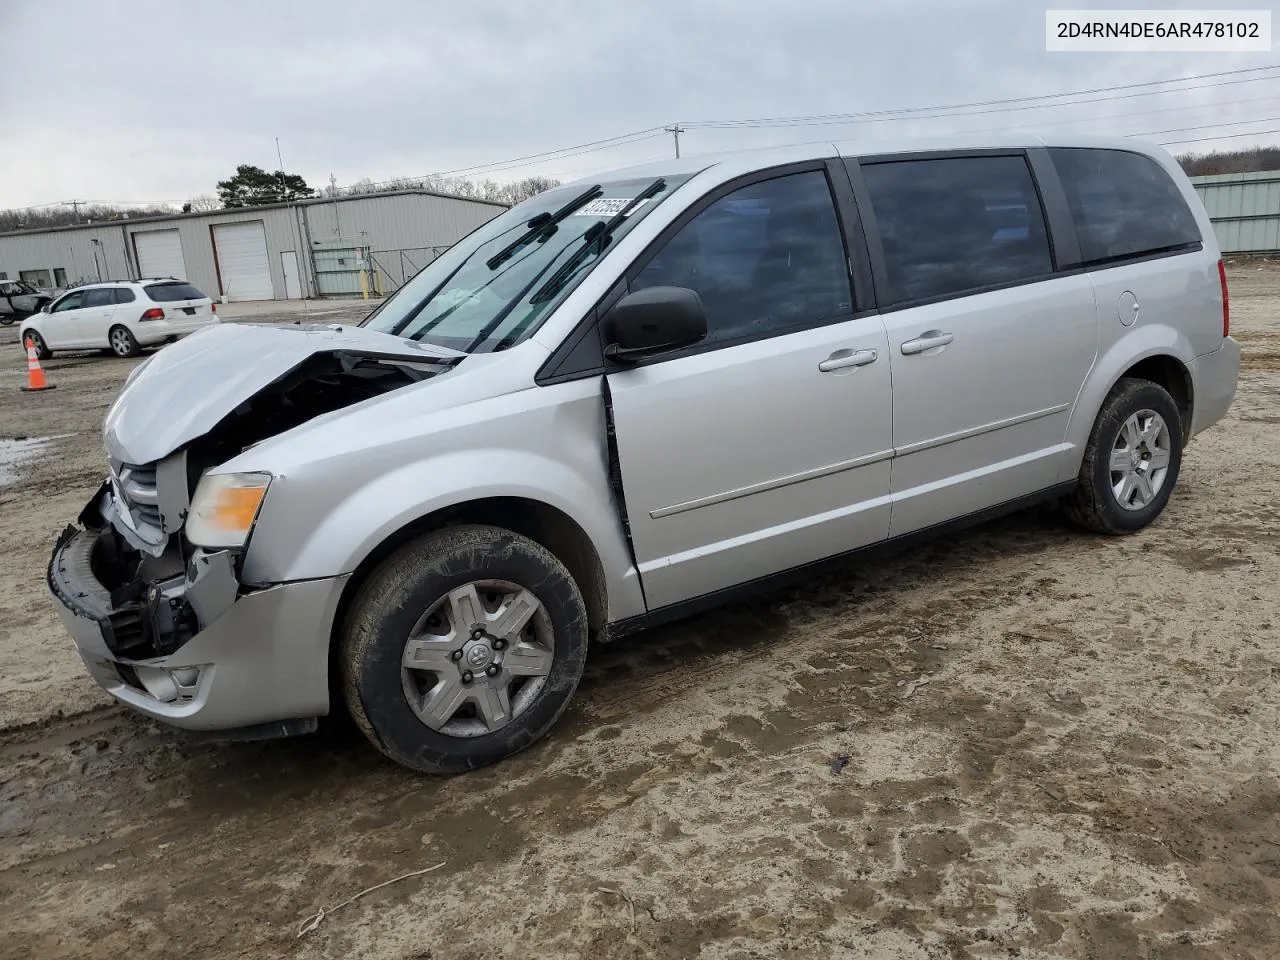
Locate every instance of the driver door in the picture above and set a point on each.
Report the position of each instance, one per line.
(767, 445)
(62, 327)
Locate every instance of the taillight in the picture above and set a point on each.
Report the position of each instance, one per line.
(155, 313)
(1226, 300)
(213, 307)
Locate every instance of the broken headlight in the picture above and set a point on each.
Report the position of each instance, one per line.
(224, 508)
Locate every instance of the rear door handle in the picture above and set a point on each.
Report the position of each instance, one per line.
(927, 341)
(843, 359)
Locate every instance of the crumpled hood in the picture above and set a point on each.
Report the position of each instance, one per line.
(185, 389)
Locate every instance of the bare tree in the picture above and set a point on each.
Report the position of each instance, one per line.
(204, 203)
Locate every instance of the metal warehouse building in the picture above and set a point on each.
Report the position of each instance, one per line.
(1244, 208)
(324, 247)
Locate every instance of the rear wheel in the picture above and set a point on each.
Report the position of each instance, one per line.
(123, 343)
(34, 339)
(462, 648)
(1132, 461)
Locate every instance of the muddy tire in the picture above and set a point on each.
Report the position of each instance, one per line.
(462, 648)
(1131, 462)
(42, 349)
(122, 342)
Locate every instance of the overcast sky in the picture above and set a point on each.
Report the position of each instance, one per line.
(143, 102)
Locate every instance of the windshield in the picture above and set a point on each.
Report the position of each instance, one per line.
(481, 296)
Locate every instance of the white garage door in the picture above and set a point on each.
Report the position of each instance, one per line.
(242, 260)
(160, 254)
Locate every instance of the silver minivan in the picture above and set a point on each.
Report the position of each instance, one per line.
(628, 399)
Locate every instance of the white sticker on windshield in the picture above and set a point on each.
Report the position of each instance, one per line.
(608, 207)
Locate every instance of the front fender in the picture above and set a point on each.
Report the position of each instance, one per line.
(337, 542)
(1135, 346)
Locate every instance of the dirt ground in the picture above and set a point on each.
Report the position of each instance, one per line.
(1092, 769)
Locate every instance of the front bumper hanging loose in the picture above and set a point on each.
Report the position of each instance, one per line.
(247, 657)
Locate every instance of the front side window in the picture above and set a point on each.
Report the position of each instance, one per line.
(72, 301)
(765, 259)
(1123, 204)
(484, 294)
(959, 224)
(100, 297)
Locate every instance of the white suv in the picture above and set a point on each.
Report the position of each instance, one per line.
(120, 316)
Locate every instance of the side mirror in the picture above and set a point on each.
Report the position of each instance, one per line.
(653, 321)
(45, 308)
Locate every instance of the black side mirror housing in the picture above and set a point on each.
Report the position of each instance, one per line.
(653, 321)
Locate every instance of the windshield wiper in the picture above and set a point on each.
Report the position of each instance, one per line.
(598, 237)
(543, 223)
(598, 231)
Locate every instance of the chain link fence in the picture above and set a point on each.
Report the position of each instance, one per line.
(394, 268)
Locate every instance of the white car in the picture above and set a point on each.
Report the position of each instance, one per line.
(120, 316)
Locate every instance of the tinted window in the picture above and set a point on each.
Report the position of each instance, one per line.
(1123, 204)
(948, 226)
(124, 295)
(72, 301)
(765, 258)
(99, 297)
(169, 292)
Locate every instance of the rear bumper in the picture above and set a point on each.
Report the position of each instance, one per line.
(1213, 378)
(157, 331)
(264, 659)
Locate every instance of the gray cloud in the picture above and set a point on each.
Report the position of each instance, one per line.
(158, 100)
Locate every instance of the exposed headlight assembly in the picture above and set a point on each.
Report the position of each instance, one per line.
(225, 507)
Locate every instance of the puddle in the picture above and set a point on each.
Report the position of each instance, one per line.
(16, 451)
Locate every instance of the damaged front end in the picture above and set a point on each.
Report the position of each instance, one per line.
(148, 591)
(156, 617)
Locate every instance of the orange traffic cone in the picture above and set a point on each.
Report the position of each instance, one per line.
(35, 375)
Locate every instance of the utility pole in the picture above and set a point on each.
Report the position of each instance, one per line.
(333, 193)
(675, 130)
(280, 160)
(75, 207)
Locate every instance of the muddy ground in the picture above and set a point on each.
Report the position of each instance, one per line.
(1092, 769)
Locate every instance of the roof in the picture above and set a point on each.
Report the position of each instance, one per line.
(761, 157)
(166, 217)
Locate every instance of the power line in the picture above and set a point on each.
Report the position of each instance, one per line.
(987, 103)
(740, 125)
(1207, 126)
(623, 139)
(902, 113)
(1227, 136)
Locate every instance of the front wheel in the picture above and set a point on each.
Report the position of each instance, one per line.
(1132, 460)
(462, 648)
(7, 319)
(123, 343)
(33, 339)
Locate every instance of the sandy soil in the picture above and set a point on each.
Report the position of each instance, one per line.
(1092, 769)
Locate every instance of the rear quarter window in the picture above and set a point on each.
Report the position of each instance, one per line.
(124, 295)
(1123, 204)
(169, 292)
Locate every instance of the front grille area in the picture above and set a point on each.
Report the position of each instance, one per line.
(138, 487)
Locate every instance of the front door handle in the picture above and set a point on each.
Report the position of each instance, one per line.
(843, 359)
(927, 341)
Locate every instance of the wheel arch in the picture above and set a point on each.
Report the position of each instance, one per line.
(541, 522)
(1157, 353)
